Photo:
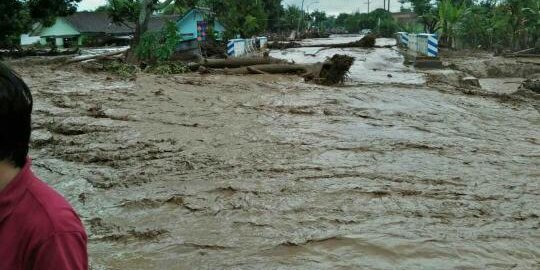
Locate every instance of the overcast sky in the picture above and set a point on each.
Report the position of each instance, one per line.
(330, 6)
(343, 6)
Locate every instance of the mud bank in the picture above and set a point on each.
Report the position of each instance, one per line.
(267, 172)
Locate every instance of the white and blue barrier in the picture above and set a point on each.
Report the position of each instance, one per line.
(236, 47)
(424, 44)
(403, 38)
(230, 48)
(433, 45)
(241, 47)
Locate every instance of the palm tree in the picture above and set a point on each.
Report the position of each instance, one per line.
(533, 22)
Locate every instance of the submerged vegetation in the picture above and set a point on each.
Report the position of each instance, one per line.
(129, 71)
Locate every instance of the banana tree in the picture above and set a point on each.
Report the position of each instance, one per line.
(450, 16)
(533, 22)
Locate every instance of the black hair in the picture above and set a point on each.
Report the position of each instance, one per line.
(15, 117)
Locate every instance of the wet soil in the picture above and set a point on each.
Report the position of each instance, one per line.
(268, 172)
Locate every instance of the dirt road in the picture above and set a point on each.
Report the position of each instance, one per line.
(267, 172)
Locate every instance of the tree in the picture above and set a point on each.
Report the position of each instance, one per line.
(319, 18)
(329, 23)
(450, 15)
(427, 13)
(12, 23)
(181, 6)
(492, 24)
(379, 20)
(289, 20)
(158, 46)
(102, 8)
(340, 20)
(532, 15)
(137, 13)
(246, 18)
(274, 10)
(17, 16)
(517, 19)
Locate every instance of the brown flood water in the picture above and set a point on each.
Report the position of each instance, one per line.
(267, 172)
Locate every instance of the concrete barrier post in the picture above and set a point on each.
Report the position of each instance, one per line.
(423, 44)
(230, 48)
(413, 43)
(240, 47)
(433, 45)
(403, 38)
(263, 42)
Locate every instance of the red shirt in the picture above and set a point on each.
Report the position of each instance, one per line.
(38, 227)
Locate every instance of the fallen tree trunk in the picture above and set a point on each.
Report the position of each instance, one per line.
(333, 71)
(238, 62)
(256, 71)
(271, 69)
(522, 52)
(278, 45)
(91, 57)
(525, 55)
(366, 42)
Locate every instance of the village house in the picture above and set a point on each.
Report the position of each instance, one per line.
(196, 26)
(97, 28)
(83, 28)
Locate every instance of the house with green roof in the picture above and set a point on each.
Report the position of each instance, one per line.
(93, 28)
(78, 29)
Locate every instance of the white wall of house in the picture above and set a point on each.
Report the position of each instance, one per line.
(26, 40)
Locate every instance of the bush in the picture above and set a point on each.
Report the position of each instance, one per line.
(387, 28)
(120, 69)
(168, 68)
(158, 46)
(90, 41)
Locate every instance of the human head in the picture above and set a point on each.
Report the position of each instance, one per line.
(15, 117)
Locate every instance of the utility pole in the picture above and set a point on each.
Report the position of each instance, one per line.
(384, 4)
(300, 19)
(368, 3)
(389, 5)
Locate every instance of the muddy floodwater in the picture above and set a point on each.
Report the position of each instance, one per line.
(268, 172)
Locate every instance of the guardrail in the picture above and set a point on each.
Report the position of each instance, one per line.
(241, 47)
(424, 44)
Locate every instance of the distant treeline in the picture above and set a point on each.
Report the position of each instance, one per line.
(488, 24)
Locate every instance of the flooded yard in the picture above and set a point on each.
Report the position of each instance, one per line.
(268, 172)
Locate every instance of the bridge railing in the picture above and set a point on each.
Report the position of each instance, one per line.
(241, 47)
(423, 44)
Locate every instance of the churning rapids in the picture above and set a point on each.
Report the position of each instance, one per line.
(268, 172)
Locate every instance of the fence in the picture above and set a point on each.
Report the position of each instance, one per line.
(424, 44)
(241, 47)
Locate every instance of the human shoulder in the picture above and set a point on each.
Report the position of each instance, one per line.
(50, 210)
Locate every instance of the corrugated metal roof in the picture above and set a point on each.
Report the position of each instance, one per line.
(100, 22)
(157, 23)
(96, 22)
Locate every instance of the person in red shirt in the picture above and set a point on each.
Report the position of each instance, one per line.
(38, 227)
